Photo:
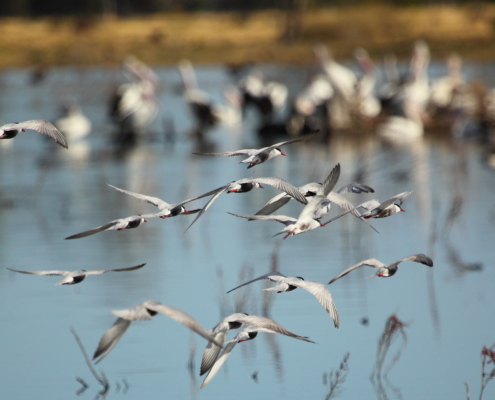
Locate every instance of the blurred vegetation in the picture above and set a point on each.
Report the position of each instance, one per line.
(35, 8)
(286, 34)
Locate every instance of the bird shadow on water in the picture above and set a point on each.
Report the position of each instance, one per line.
(394, 329)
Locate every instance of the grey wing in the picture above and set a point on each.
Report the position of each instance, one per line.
(102, 271)
(402, 197)
(322, 294)
(346, 205)
(271, 326)
(219, 362)
(93, 231)
(299, 139)
(274, 204)
(284, 186)
(323, 191)
(265, 276)
(138, 313)
(211, 353)
(283, 219)
(181, 317)
(148, 199)
(372, 262)
(207, 205)
(330, 182)
(355, 188)
(419, 258)
(110, 338)
(243, 152)
(44, 273)
(45, 128)
(370, 205)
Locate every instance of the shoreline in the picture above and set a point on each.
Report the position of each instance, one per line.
(234, 39)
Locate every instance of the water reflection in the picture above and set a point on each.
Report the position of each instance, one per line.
(47, 194)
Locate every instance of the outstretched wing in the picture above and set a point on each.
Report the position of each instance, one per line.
(346, 205)
(419, 258)
(284, 186)
(372, 262)
(243, 152)
(110, 338)
(219, 362)
(323, 191)
(211, 353)
(102, 271)
(402, 197)
(94, 230)
(148, 199)
(280, 144)
(44, 273)
(271, 326)
(45, 128)
(355, 188)
(274, 204)
(265, 276)
(217, 192)
(321, 293)
(283, 219)
(181, 317)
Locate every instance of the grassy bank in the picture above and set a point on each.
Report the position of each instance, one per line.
(233, 38)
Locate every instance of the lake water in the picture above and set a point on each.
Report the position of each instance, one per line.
(47, 194)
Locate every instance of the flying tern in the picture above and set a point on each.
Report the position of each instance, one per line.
(248, 184)
(375, 209)
(166, 210)
(73, 277)
(116, 225)
(144, 312)
(10, 131)
(259, 156)
(248, 333)
(235, 321)
(385, 270)
(287, 284)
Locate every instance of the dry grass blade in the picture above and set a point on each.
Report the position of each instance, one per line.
(394, 328)
(101, 379)
(335, 379)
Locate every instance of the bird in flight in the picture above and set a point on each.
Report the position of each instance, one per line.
(384, 270)
(10, 131)
(73, 277)
(259, 156)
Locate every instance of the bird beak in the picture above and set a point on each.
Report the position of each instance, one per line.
(164, 216)
(283, 154)
(403, 210)
(261, 187)
(185, 212)
(22, 130)
(145, 221)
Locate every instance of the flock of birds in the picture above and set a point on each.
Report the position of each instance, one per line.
(316, 199)
(330, 100)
